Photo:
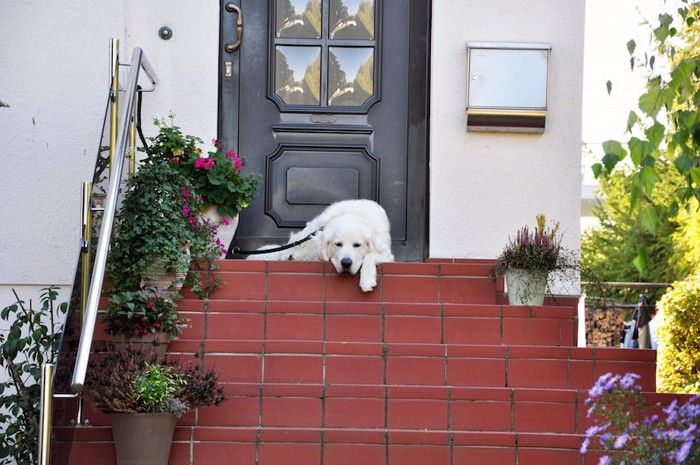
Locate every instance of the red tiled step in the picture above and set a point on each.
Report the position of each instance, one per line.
(461, 365)
(381, 322)
(285, 423)
(397, 282)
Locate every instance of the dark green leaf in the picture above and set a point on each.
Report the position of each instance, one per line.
(683, 163)
(636, 147)
(649, 219)
(631, 46)
(635, 191)
(640, 261)
(597, 168)
(610, 160)
(656, 134)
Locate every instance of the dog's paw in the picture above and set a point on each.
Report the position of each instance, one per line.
(368, 283)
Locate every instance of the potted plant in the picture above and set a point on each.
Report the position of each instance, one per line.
(527, 260)
(144, 398)
(216, 176)
(143, 317)
(159, 231)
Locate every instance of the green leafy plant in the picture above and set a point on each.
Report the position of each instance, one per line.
(678, 368)
(216, 176)
(663, 131)
(620, 249)
(124, 379)
(135, 313)
(31, 340)
(627, 436)
(157, 385)
(158, 222)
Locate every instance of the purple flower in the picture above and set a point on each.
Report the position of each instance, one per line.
(584, 445)
(621, 441)
(629, 380)
(672, 412)
(185, 210)
(611, 383)
(604, 460)
(683, 452)
(593, 430)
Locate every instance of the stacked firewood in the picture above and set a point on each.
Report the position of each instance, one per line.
(604, 327)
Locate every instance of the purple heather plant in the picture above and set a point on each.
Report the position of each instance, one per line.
(537, 249)
(626, 436)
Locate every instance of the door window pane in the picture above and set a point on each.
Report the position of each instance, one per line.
(351, 19)
(298, 74)
(298, 18)
(350, 75)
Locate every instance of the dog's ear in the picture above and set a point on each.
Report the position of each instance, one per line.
(371, 240)
(326, 244)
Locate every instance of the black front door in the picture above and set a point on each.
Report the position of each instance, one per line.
(327, 99)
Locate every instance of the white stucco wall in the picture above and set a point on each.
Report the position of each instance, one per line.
(485, 186)
(55, 77)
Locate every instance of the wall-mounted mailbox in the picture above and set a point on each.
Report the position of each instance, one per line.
(507, 86)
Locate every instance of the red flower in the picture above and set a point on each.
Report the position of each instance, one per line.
(150, 304)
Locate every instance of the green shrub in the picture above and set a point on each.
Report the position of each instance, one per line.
(678, 365)
(31, 340)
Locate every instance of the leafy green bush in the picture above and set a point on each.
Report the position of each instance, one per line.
(621, 249)
(678, 364)
(31, 340)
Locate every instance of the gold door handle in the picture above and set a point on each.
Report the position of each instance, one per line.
(230, 48)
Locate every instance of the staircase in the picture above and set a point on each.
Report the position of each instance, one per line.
(431, 368)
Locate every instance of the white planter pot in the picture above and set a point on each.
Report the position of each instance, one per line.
(526, 287)
(224, 232)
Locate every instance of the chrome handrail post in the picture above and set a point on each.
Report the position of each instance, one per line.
(46, 414)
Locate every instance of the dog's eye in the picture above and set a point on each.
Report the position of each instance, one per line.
(357, 245)
(338, 244)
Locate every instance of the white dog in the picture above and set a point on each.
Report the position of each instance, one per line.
(352, 234)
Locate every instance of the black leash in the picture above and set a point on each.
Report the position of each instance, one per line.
(237, 251)
(138, 117)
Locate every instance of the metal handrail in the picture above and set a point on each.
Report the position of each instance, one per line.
(630, 285)
(138, 61)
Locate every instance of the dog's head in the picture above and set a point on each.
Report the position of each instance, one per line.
(345, 243)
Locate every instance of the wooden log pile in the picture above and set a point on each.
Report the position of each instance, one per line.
(604, 326)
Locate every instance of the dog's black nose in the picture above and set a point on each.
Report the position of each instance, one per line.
(346, 262)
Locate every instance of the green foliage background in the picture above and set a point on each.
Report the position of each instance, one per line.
(649, 220)
(678, 364)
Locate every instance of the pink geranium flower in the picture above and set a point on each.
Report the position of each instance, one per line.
(204, 163)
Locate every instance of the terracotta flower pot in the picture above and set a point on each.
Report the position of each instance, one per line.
(143, 438)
